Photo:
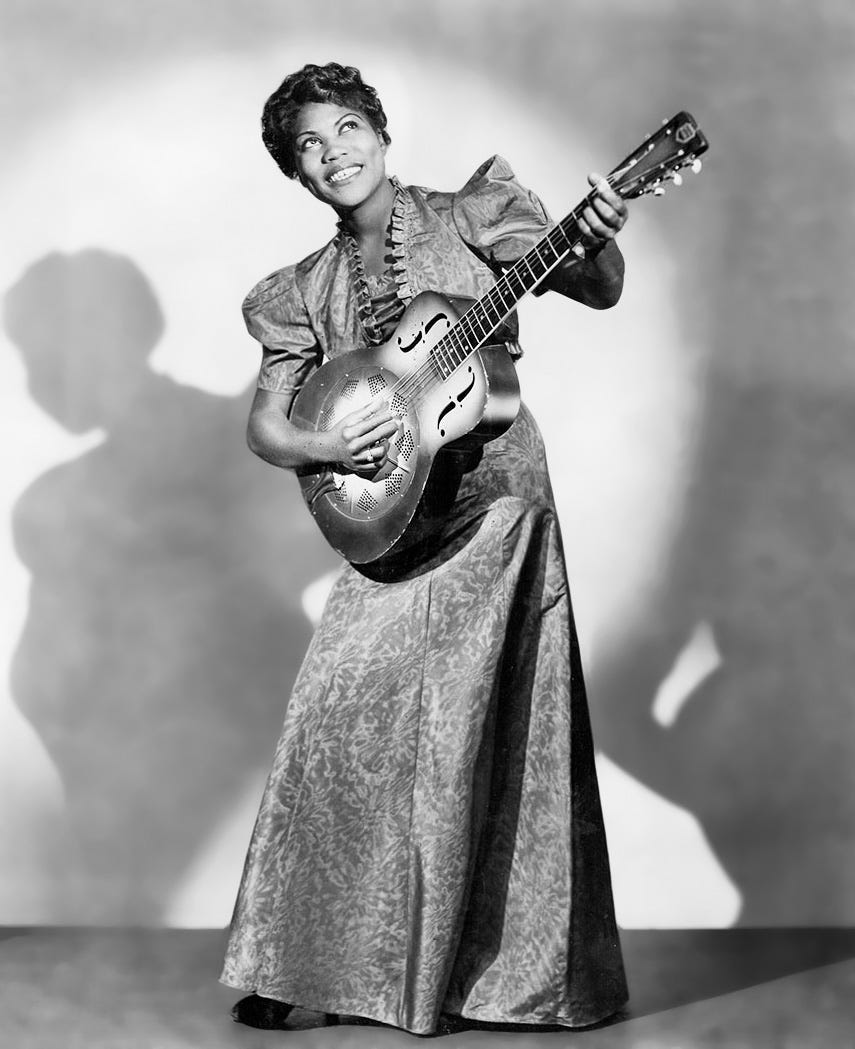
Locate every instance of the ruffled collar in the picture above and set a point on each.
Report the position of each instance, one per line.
(400, 227)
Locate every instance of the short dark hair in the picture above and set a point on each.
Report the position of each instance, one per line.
(342, 85)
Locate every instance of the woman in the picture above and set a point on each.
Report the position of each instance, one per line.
(430, 839)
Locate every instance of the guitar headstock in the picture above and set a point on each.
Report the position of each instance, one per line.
(658, 160)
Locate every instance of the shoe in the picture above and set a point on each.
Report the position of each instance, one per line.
(266, 1013)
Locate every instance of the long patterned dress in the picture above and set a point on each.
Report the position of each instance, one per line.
(430, 839)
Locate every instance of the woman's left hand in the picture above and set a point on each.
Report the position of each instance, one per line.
(604, 217)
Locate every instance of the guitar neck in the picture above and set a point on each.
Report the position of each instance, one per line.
(677, 144)
(484, 316)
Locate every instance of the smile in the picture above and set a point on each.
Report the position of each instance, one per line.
(343, 174)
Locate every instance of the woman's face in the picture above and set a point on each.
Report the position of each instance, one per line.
(340, 158)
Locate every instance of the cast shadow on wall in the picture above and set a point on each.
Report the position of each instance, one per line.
(165, 622)
(761, 752)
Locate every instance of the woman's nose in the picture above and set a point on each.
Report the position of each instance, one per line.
(333, 150)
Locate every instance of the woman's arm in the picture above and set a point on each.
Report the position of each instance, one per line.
(596, 280)
(360, 441)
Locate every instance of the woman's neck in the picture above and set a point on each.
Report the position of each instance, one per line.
(370, 219)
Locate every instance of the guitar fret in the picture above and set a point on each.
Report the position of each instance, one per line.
(539, 256)
(512, 273)
(462, 349)
(491, 314)
(462, 343)
(569, 228)
(476, 325)
(506, 296)
(440, 362)
(555, 252)
(466, 342)
(524, 260)
(474, 335)
(491, 310)
(449, 360)
(477, 320)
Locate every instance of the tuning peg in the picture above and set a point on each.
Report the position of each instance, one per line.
(659, 191)
(697, 165)
(677, 178)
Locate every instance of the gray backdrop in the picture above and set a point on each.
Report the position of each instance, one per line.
(160, 571)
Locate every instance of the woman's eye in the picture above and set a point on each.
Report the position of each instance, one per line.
(307, 142)
(349, 124)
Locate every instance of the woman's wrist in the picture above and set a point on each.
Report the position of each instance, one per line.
(602, 274)
(326, 448)
(603, 261)
(595, 280)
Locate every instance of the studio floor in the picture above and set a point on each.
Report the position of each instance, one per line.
(157, 989)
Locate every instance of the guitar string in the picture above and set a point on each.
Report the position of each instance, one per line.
(460, 336)
(463, 339)
(411, 386)
(445, 363)
(464, 333)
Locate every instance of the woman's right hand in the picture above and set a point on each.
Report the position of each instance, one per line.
(360, 441)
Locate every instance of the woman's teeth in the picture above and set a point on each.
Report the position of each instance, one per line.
(345, 173)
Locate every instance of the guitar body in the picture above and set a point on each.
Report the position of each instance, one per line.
(364, 515)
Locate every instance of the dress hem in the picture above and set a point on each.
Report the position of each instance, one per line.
(490, 1016)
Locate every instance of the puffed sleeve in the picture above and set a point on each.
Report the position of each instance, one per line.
(496, 216)
(276, 315)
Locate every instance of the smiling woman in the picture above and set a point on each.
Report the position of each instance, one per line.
(430, 839)
(283, 123)
(340, 160)
(328, 129)
(334, 146)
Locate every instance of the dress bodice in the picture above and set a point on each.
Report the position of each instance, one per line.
(455, 243)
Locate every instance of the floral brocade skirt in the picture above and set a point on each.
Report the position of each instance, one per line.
(430, 839)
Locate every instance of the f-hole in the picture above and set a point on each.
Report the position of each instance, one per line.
(459, 399)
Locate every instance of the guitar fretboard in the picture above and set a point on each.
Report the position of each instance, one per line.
(482, 318)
